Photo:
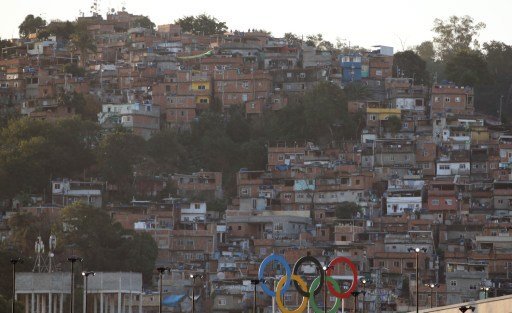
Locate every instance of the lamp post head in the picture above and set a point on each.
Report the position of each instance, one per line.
(16, 260)
(89, 273)
(417, 250)
(73, 259)
(257, 281)
(363, 281)
(161, 270)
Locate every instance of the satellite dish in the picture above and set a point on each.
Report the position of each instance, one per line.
(221, 275)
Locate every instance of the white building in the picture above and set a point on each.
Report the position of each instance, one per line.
(193, 212)
(65, 192)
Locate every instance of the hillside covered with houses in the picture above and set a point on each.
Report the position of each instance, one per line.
(206, 149)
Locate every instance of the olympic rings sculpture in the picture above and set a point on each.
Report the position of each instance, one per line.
(285, 282)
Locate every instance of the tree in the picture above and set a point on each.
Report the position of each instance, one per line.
(117, 154)
(292, 39)
(467, 68)
(426, 51)
(488, 95)
(82, 42)
(409, 64)
(62, 30)
(167, 151)
(32, 152)
(105, 245)
(144, 22)
(319, 42)
(394, 124)
(456, 35)
(30, 25)
(347, 210)
(201, 25)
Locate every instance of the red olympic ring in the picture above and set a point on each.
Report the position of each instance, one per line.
(352, 266)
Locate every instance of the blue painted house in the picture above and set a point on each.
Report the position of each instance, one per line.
(352, 66)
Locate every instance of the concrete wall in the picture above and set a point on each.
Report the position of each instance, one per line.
(494, 305)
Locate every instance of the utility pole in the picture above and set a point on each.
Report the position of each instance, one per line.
(501, 106)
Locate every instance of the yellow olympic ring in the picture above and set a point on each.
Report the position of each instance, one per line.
(279, 301)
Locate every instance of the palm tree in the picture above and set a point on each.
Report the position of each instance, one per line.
(83, 42)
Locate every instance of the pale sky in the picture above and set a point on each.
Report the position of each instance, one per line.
(397, 23)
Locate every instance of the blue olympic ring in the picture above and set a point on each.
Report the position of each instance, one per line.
(261, 273)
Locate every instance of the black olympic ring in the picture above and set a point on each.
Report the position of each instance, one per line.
(308, 258)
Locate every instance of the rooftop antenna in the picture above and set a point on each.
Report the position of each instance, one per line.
(40, 262)
(52, 245)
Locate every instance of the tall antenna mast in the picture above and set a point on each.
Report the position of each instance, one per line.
(40, 261)
(52, 244)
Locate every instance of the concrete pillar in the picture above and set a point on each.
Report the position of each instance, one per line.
(50, 302)
(43, 303)
(95, 301)
(119, 301)
(32, 303)
(55, 301)
(140, 302)
(131, 303)
(27, 307)
(112, 308)
(101, 302)
(38, 301)
(61, 303)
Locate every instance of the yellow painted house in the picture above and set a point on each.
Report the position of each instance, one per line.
(381, 114)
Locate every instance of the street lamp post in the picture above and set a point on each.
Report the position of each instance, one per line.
(364, 281)
(485, 290)
(73, 259)
(161, 271)
(432, 286)
(86, 276)
(13, 262)
(194, 276)
(417, 251)
(255, 282)
(355, 294)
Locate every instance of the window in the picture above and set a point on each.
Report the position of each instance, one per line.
(378, 72)
(201, 87)
(396, 264)
(462, 166)
(287, 195)
(245, 84)
(278, 226)
(409, 264)
(302, 75)
(447, 99)
(239, 227)
(321, 196)
(435, 201)
(167, 88)
(197, 206)
(244, 191)
(56, 186)
(437, 99)
(280, 157)
(222, 301)
(448, 201)
(453, 283)
(203, 100)
(444, 167)
(373, 117)
(457, 99)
